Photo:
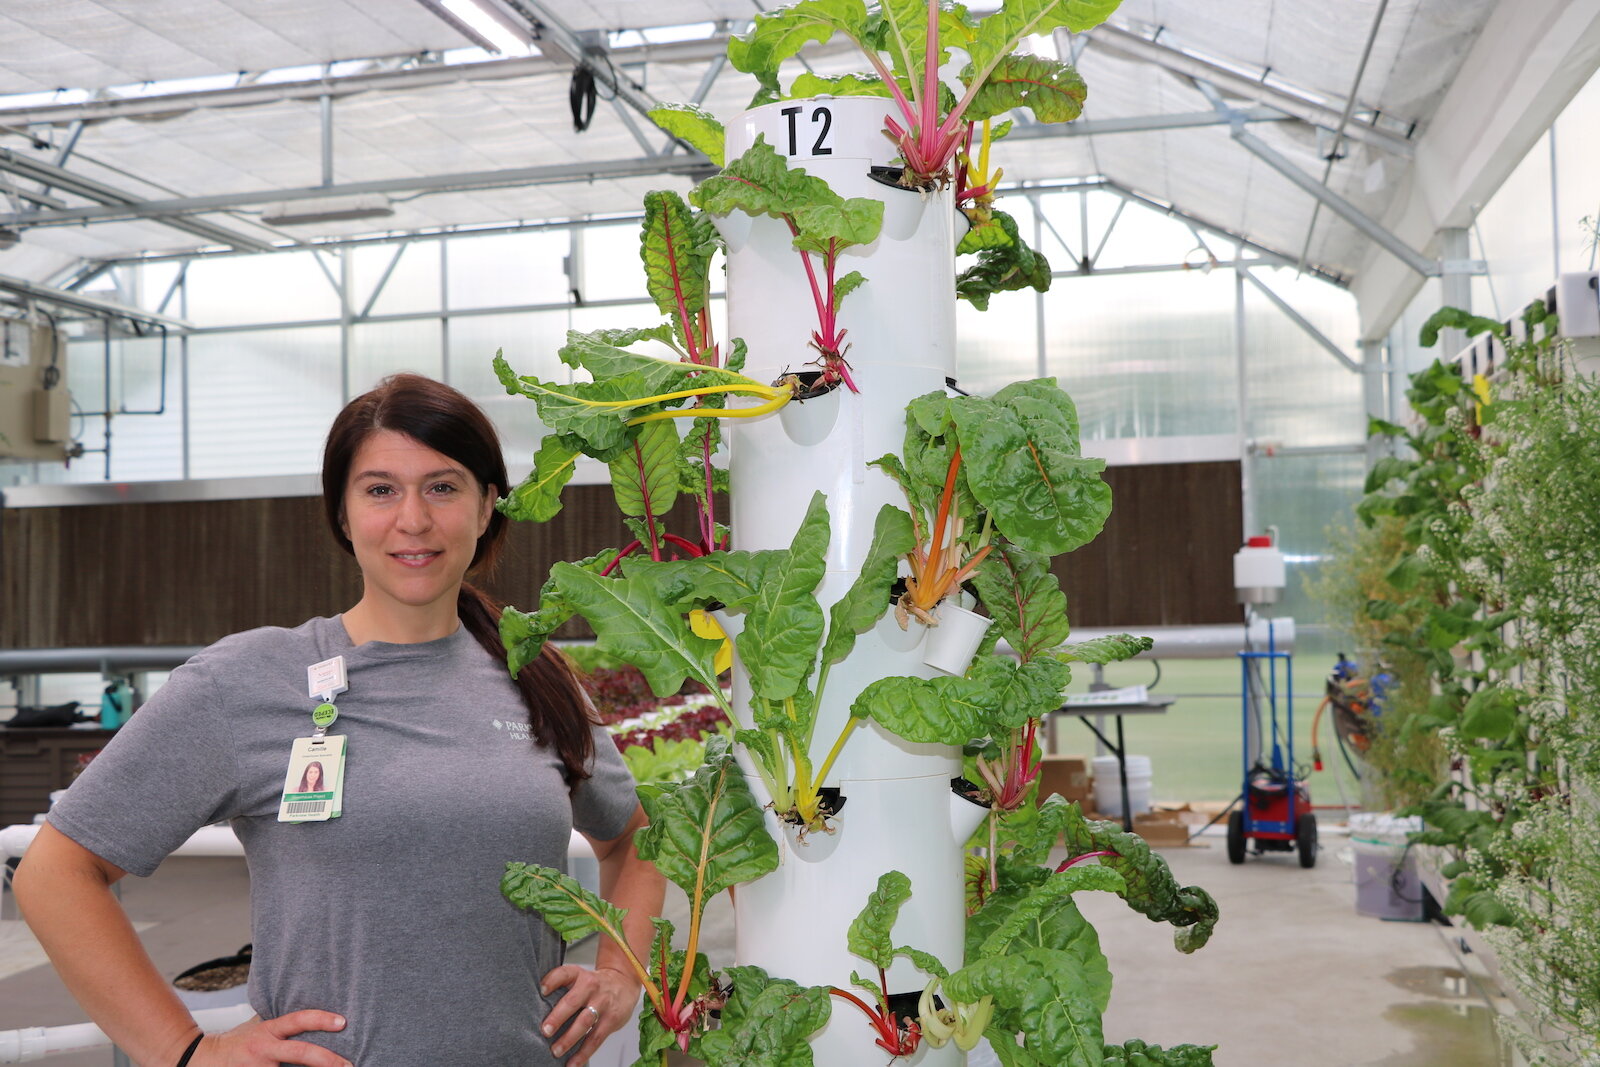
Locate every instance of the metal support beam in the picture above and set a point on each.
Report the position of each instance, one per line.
(71, 142)
(463, 182)
(1112, 225)
(326, 109)
(1373, 395)
(177, 280)
(1302, 106)
(1301, 321)
(429, 72)
(633, 128)
(1335, 203)
(90, 304)
(1141, 124)
(1455, 286)
(383, 279)
(38, 170)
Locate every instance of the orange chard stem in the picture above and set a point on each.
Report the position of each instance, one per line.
(939, 520)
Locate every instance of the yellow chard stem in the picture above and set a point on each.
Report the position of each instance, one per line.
(838, 747)
(716, 413)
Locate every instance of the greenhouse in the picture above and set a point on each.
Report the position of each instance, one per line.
(1009, 533)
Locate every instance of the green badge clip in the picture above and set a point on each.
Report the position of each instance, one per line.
(323, 715)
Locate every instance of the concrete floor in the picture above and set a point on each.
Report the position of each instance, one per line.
(1293, 976)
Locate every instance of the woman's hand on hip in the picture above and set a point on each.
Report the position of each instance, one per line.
(267, 1043)
(596, 1004)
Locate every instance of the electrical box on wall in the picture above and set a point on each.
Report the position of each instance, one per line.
(35, 408)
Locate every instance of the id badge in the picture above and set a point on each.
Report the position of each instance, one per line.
(313, 787)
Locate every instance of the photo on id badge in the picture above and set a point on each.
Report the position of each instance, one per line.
(311, 783)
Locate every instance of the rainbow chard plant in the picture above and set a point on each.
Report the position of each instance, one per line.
(705, 834)
(823, 225)
(906, 42)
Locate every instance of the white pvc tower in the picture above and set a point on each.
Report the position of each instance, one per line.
(899, 811)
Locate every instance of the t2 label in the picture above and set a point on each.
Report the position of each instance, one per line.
(814, 130)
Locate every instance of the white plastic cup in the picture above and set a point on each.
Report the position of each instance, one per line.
(952, 644)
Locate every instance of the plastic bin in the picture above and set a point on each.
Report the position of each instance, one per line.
(1108, 785)
(1387, 885)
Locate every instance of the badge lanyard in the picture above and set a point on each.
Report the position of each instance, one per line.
(313, 787)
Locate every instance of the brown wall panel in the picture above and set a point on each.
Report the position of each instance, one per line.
(189, 573)
(1165, 557)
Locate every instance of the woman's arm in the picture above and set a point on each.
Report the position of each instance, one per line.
(612, 987)
(64, 891)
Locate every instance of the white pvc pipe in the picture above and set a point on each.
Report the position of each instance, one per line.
(35, 1043)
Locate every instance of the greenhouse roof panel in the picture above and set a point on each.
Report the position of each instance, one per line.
(413, 106)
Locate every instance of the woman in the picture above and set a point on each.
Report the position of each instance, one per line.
(380, 935)
(311, 780)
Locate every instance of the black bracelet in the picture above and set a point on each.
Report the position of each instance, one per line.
(183, 1061)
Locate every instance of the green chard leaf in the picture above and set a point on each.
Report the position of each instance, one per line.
(1151, 889)
(984, 232)
(766, 1022)
(1000, 33)
(677, 255)
(865, 602)
(1003, 266)
(781, 33)
(871, 934)
(569, 909)
(644, 478)
(631, 622)
(1113, 648)
(844, 285)
(761, 182)
(809, 84)
(1136, 1053)
(1448, 318)
(538, 498)
(707, 833)
(837, 226)
(1024, 919)
(694, 125)
(1024, 598)
(524, 633)
(602, 355)
(945, 711)
(1056, 924)
(1491, 714)
(784, 626)
(1052, 90)
(1023, 469)
(1021, 691)
(1040, 993)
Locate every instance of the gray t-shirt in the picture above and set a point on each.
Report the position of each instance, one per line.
(390, 915)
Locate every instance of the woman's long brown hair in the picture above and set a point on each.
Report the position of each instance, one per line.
(445, 420)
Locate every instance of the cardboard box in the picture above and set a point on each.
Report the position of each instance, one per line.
(1163, 829)
(1067, 775)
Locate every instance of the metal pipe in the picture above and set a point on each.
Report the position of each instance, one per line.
(1337, 204)
(106, 659)
(1300, 320)
(326, 103)
(1344, 120)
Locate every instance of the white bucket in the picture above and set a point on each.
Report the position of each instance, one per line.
(1108, 785)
